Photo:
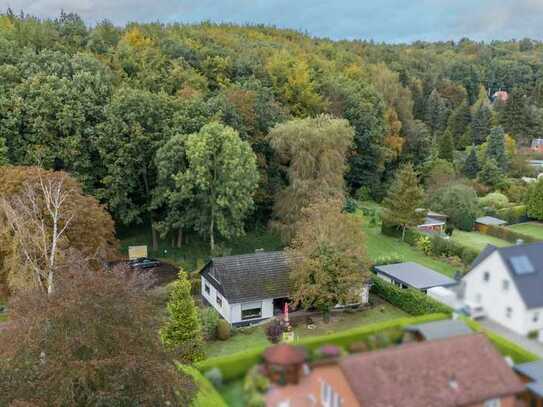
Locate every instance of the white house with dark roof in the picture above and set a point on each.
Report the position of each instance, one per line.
(249, 288)
(508, 283)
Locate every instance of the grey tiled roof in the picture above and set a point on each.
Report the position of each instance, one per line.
(530, 285)
(249, 277)
(532, 370)
(490, 220)
(440, 329)
(415, 275)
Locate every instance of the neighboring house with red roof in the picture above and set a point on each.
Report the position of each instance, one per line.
(459, 371)
(500, 96)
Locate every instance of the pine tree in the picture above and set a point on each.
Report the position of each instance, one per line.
(534, 202)
(496, 147)
(491, 174)
(459, 121)
(404, 198)
(446, 146)
(471, 166)
(437, 112)
(481, 124)
(183, 331)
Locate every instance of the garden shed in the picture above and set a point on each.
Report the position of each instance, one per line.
(413, 275)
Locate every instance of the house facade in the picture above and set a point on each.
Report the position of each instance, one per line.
(508, 284)
(250, 288)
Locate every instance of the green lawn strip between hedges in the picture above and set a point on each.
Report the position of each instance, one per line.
(531, 229)
(207, 395)
(504, 346)
(235, 365)
(477, 240)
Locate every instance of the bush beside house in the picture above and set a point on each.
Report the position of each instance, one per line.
(409, 300)
(207, 394)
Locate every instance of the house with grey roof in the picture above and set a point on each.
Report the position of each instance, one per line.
(250, 288)
(413, 275)
(508, 283)
(485, 221)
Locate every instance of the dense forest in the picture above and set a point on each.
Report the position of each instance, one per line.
(115, 106)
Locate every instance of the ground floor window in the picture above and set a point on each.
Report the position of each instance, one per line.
(207, 288)
(251, 310)
(219, 301)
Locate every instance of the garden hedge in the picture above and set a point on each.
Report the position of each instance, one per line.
(504, 346)
(514, 214)
(409, 300)
(507, 234)
(236, 365)
(207, 395)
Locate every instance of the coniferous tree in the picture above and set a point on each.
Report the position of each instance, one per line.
(481, 124)
(437, 112)
(3, 152)
(446, 146)
(183, 331)
(534, 201)
(491, 174)
(496, 147)
(471, 166)
(459, 121)
(404, 198)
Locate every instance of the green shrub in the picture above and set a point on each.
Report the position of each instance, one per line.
(236, 365)
(209, 318)
(514, 214)
(504, 346)
(507, 234)
(494, 200)
(409, 300)
(207, 395)
(223, 330)
(424, 244)
(350, 205)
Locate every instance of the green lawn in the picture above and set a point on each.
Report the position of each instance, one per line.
(195, 253)
(477, 240)
(233, 394)
(531, 228)
(253, 337)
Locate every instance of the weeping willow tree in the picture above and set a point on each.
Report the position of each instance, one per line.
(313, 151)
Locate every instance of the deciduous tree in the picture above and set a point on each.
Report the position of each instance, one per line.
(404, 197)
(327, 257)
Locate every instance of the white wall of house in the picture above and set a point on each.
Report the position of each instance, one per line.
(266, 306)
(215, 298)
(498, 295)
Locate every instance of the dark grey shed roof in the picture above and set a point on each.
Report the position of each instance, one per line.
(415, 275)
(440, 329)
(490, 220)
(529, 285)
(532, 370)
(249, 277)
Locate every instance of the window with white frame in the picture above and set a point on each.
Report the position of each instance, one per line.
(218, 300)
(486, 276)
(535, 317)
(493, 403)
(206, 288)
(251, 310)
(508, 312)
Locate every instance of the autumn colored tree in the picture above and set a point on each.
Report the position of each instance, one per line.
(44, 218)
(328, 261)
(404, 197)
(92, 342)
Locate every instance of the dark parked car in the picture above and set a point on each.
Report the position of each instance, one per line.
(143, 263)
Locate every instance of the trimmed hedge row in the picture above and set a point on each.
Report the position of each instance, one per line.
(409, 300)
(504, 346)
(507, 234)
(514, 214)
(207, 395)
(236, 365)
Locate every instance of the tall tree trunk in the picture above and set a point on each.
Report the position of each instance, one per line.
(211, 233)
(154, 233)
(179, 238)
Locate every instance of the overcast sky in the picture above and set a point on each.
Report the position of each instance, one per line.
(380, 20)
